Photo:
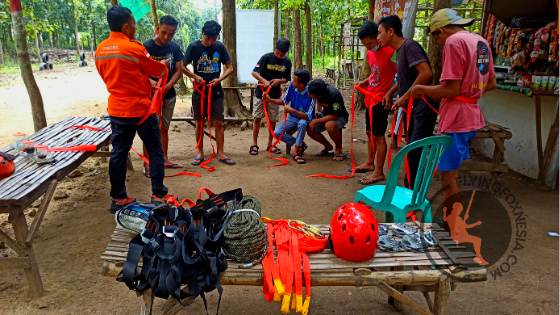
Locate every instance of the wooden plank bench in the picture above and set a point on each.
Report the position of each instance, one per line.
(499, 135)
(437, 270)
(31, 181)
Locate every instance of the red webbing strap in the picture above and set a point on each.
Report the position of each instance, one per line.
(375, 99)
(213, 155)
(307, 276)
(157, 99)
(423, 98)
(90, 128)
(204, 190)
(74, 148)
(267, 265)
(200, 88)
(464, 99)
(297, 300)
(283, 161)
(285, 261)
(147, 163)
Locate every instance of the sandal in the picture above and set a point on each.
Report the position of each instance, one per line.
(325, 152)
(339, 157)
(367, 180)
(172, 165)
(254, 149)
(197, 160)
(299, 159)
(274, 150)
(227, 160)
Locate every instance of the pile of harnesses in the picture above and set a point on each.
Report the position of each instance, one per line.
(180, 248)
(286, 263)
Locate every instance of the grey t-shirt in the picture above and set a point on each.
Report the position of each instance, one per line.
(408, 56)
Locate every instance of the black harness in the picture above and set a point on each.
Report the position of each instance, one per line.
(181, 246)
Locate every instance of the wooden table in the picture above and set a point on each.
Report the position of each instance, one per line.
(31, 181)
(438, 270)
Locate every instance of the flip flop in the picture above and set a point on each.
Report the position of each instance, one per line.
(299, 159)
(172, 165)
(368, 181)
(361, 170)
(340, 157)
(227, 160)
(274, 150)
(197, 160)
(325, 152)
(254, 150)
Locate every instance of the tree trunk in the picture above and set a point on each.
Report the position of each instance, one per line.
(276, 24)
(1, 53)
(298, 51)
(154, 14)
(409, 23)
(233, 106)
(39, 120)
(321, 42)
(37, 47)
(308, 39)
(287, 25)
(371, 10)
(76, 36)
(434, 51)
(51, 43)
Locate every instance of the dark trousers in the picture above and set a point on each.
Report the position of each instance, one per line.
(122, 136)
(421, 126)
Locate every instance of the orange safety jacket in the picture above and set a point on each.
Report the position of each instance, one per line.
(125, 66)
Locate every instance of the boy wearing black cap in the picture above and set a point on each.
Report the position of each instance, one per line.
(272, 70)
(207, 56)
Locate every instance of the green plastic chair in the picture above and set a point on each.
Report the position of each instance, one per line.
(396, 200)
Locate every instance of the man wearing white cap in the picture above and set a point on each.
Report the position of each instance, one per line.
(467, 73)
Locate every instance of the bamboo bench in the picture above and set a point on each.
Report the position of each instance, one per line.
(438, 270)
(31, 181)
(499, 135)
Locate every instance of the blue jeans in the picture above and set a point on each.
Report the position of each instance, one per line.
(291, 125)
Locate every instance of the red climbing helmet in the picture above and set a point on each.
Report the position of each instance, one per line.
(7, 167)
(354, 232)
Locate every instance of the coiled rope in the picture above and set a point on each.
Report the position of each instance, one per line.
(245, 237)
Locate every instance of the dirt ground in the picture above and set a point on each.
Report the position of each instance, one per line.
(78, 226)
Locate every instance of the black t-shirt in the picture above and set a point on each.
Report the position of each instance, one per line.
(409, 55)
(171, 51)
(270, 67)
(207, 61)
(333, 103)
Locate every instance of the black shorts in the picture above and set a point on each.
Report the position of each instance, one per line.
(217, 109)
(380, 120)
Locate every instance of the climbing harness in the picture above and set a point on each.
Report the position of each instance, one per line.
(181, 246)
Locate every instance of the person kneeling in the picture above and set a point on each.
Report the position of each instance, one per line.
(300, 107)
(332, 117)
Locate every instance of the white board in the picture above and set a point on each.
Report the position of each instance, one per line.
(255, 33)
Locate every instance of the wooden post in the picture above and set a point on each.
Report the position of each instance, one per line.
(32, 275)
(443, 289)
(538, 123)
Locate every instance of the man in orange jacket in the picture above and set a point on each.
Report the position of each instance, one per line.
(125, 66)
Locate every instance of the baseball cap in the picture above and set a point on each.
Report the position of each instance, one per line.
(444, 17)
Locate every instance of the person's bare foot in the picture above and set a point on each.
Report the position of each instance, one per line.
(372, 178)
(481, 261)
(364, 168)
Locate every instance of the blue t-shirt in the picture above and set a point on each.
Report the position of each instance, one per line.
(300, 101)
